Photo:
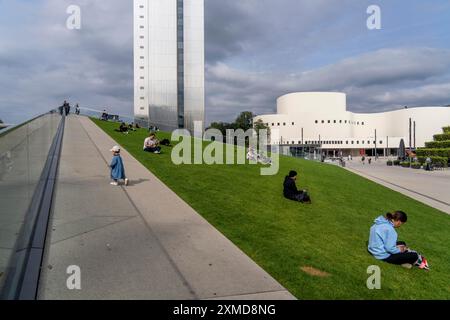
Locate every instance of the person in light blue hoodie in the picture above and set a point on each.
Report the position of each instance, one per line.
(117, 168)
(384, 244)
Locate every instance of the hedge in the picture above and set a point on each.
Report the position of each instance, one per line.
(446, 129)
(437, 144)
(405, 164)
(442, 137)
(425, 152)
(416, 165)
(435, 160)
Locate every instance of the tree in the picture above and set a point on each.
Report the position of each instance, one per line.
(244, 121)
(260, 125)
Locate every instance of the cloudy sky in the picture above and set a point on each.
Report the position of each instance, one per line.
(256, 50)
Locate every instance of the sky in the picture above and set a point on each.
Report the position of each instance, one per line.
(256, 51)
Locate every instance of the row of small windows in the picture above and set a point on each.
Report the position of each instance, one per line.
(341, 121)
(278, 124)
(335, 142)
(342, 142)
(142, 57)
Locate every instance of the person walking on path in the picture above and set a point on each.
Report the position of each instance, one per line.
(117, 168)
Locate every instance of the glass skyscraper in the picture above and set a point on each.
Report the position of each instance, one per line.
(169, 62)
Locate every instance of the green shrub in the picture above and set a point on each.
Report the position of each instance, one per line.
(446, 129)
(390, 163)
(396, 162)
(442, 137)
(437, 144)
(405, 164)
(426, 152)
(416, 165)
(435, 160)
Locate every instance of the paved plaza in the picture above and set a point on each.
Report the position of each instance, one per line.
(430, 187)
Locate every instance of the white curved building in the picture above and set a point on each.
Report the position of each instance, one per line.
(321, 119)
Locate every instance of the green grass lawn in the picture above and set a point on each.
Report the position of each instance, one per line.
(330, 235)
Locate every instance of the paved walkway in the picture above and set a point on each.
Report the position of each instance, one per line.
(428, 187)
(136, 242)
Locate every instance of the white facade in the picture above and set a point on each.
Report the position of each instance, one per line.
(169, 62)
(321, 118)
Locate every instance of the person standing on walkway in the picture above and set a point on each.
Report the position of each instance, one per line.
(363, 159)
(117, 168)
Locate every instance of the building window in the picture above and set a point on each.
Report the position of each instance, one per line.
(353, 142)
(142, 98)
(278, 124)
(329, 121)
(142, 108)
(284, 123)
(381, 142)
(142, 47)
(340, 121)
(142, 78)
(141, 37)
(362, 142)
(346, 142)
(345, 121)
(334, 121)
(142, 88)
(293, 123)
(141, 67)
(362, 123)
(317, 121)
(141, 6)
(273, 124)
(142, 17)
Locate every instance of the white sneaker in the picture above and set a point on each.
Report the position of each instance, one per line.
(114, 183)
(126, 181)
(157, 152)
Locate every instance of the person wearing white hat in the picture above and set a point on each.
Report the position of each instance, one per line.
(117, 167)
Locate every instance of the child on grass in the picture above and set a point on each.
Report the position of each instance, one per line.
(117, 168)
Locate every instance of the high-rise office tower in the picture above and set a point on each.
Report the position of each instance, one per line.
(169, 63)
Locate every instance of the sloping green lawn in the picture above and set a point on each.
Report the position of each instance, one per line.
(330, 235)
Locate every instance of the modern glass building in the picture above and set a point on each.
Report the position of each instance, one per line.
(169, 62)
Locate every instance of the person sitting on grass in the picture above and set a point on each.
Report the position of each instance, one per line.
(384, 244)
(290, 189)
(123, 128)
(151, 144)
(117, 168)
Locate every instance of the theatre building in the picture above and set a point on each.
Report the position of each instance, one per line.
(319, 123)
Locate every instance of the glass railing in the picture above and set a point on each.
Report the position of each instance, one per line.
(24, 153)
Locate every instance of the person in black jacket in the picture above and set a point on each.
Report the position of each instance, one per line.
(290, 189)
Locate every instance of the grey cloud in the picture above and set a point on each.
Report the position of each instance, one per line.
(379, 80)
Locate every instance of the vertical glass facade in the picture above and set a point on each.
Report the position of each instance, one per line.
(169, 62)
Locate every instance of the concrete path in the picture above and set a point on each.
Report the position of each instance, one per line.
(431, 188)
(136, 242)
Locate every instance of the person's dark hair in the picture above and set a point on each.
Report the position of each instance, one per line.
(292, 173)
(397, 216)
